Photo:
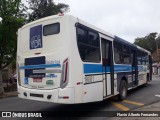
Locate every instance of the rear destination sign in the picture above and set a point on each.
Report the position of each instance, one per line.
(36, 37)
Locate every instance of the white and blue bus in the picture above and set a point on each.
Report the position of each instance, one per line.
(62, 59)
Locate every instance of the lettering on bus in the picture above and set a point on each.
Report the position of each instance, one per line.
(36, 76)
(51, 76)
(53, 62)
(36, 37)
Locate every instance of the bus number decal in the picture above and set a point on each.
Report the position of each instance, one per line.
(89, 79)
(36, 37)
(53, 62)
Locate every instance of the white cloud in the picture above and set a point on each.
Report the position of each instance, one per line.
(125, 18)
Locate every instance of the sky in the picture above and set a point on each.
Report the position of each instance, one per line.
(127, 19)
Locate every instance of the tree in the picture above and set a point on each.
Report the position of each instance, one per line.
(44, 8)
(151, 42)
(148, 42)
(158, 41)
(13, 17)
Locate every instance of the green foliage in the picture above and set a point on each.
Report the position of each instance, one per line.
(13, 14)
(149, 42)
(13, 17)
(158, 41)
(13, 65)
(44, 8)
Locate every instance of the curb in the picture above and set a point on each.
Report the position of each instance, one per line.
(9, 94)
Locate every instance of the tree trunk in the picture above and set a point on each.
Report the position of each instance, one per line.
(1, 87)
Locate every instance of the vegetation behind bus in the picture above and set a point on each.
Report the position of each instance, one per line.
(44, 8)
(150, 42)
(14, 14)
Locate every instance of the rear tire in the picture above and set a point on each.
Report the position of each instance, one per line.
(122, 90)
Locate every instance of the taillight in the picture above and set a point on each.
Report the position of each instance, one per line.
(65, 73)
(18, 72)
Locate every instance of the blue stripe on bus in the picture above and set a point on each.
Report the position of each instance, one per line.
(92, 68)
(120, 68)
(40, 66)
(97, 68)
(140, 68)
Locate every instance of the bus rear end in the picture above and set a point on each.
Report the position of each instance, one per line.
(43, 61)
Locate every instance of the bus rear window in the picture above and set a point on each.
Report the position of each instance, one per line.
(51, 29)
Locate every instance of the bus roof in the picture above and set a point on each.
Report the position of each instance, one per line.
(41, 20)
(140, 48)
(124, 41)
(116, 38)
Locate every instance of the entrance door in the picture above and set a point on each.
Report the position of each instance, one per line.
(107, 66)
(134, 68)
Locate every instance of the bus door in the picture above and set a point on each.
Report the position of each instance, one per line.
(134, 68)
(107, 67)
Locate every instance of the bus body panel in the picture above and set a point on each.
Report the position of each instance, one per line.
(93, 92)
(44, 93)
(76, 69)
(50, 67)
(53, 53)
(46, 62)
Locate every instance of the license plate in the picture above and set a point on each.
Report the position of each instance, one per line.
(37, 79)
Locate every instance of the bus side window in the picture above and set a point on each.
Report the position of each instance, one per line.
(132, 61)
(88, 42)
(121, 53)
(117, 55)
(126, 54)
(139, 57)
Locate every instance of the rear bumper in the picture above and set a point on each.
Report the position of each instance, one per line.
(58, 95)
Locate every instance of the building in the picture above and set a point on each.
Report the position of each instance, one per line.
(7, 73)
(156, 62)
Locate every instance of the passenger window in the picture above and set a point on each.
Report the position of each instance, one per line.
(82, 35)
(139, 57)
(121, 53)
(93, 38)
(88, 44)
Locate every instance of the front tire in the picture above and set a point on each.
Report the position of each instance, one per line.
(122, 90)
